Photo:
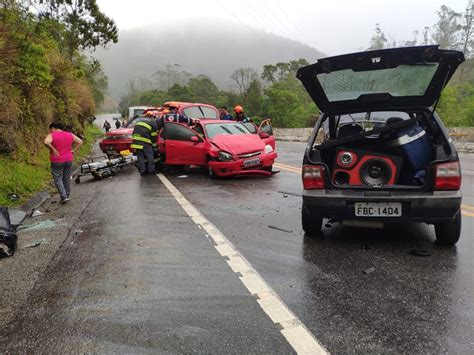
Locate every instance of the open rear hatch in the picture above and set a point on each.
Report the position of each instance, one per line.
(378, 128)
(388, 79)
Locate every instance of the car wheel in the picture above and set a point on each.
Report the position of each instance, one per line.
(449, 233)
(312, 225)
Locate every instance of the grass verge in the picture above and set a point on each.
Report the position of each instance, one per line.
(23, 179)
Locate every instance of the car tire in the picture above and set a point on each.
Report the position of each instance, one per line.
(449, 233)
(211, 173)
(312, 225)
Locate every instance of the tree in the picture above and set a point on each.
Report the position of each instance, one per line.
(466, 30)
(243, 77)
(172, 74)
(378, 40)
(203, 89)
(87, 27)
(179, 93)
(268, 73)
(425, 33)
(446, 30)
(282, 70)
(253, 98)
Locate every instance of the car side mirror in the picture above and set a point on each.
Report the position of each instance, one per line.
(264, 135)
(195, 139)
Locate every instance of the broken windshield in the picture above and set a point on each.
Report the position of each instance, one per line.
(404, 80)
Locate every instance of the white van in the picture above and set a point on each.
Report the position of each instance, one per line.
(136, 111)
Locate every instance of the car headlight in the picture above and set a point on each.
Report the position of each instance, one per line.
(268, 149)
(224, 156)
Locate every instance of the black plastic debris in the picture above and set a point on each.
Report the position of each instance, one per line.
(369, 270)
(13, 197)
(8, 237)
(420, 252)
(280, 229)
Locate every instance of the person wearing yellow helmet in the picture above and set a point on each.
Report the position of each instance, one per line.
(240, 115)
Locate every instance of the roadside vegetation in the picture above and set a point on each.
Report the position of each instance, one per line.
(274, 92)
(45, 77)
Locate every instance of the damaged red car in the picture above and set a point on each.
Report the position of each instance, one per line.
(121, 139)
(224, 148)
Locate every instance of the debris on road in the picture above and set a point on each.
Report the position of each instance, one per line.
(78, 231)
(280, 229)
(13, 197)
(8, 237)
(37, 213)
(182, 176)
(369, 270)
(366, 247)
(36, 243)
(46, 224)
(419, 252)
(287, 193)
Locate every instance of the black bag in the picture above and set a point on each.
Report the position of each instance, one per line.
(8, 237)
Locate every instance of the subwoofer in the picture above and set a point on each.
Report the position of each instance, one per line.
(357, 167)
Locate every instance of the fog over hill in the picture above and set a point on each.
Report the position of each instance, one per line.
(200, 46)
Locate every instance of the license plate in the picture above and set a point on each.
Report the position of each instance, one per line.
(251, 162)
(378, 209)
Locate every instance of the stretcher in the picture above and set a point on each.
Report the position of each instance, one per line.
(106, 166)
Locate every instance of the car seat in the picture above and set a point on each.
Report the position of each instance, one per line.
(349, 130)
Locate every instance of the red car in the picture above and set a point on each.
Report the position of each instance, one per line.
(225, 148)
(121, 139)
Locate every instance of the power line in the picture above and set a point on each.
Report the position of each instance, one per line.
(260, 17)
(300, 32)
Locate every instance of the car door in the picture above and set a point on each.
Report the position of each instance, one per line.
(182, 145)
(265, 131)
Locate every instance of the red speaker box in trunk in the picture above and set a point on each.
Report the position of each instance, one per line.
(357, 167)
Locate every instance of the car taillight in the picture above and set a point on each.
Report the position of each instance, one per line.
(313, 177)
(448, 176)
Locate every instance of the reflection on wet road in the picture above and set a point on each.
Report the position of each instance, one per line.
(356, 289)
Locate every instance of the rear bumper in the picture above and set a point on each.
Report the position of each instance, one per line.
(427, 207)
(114, 146)
(236, 167)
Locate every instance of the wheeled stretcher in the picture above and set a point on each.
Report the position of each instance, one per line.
(104, 167)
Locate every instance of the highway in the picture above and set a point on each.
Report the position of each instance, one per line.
(184, 264)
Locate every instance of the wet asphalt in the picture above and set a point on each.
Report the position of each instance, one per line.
(141, 277)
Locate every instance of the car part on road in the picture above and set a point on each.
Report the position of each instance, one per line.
(280, 229)
(419, 252)
(369, 270)
(8, 237)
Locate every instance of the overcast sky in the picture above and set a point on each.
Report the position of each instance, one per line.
(331, 26)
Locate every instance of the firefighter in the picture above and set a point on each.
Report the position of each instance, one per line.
(240, 116)
(144, 137)
(174, 116)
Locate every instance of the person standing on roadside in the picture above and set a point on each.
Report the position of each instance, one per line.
(107, 126)
(62, 145)
(117, 123)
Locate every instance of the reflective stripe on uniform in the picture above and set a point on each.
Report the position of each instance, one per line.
(154, 134)
(146, 125)
(136, 146)
(137, 137)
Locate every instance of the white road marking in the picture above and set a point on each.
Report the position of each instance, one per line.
(294, 331)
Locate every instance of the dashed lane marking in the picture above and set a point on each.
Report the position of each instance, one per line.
(294, 331)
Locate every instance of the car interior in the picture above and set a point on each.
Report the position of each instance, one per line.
(375, 149)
